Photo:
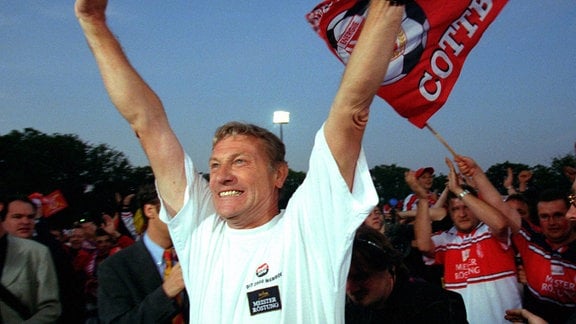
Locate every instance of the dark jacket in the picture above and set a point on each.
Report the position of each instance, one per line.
(130, 289)
(412, 303)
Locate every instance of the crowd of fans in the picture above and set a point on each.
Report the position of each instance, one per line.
(511, 257)
(413, 251)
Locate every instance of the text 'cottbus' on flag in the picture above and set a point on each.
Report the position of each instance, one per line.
(435, 39)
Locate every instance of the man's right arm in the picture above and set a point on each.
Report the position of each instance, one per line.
(488, 192)
(422, 223)
(482, 208)
(366, 68)
(136, 102)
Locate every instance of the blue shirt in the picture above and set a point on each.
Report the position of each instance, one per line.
(156, 251)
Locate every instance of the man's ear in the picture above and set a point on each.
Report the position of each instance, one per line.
(149, 211)
(281, 174)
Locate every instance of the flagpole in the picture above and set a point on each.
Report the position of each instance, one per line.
(441, 139)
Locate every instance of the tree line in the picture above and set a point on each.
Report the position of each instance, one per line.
(90, 176)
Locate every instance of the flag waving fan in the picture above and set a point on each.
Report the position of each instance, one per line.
(435, 40)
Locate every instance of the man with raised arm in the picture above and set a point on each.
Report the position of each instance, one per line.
(242, 259)
(548, 251)
(476, 252)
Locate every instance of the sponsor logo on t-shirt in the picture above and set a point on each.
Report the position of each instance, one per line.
(264, 300)
(262, 270)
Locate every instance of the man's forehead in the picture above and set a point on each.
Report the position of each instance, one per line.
(558, 204)
(19, 205)
(251, 147)
(234, 141)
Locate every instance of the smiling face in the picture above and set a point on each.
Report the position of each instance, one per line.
(426, 180)
(20, 219)
(243, 182)
(553, 222)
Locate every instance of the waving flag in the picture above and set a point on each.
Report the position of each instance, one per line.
(51, 203)
(431, 48)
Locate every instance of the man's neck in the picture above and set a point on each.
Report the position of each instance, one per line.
(161, 239)
(555, 245)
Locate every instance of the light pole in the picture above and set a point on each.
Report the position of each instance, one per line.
(281, 117)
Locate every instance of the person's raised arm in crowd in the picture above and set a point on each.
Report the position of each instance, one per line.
(423, 222)
(142, 108)
(442, 199)
(487, 191)
(363, 76)
(482, 208)
(136, 102)
(435, 213)
(509, 182)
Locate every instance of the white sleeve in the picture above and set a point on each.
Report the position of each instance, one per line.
(197, 205)
(327, 213)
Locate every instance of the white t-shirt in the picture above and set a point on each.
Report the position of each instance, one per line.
(292, 269)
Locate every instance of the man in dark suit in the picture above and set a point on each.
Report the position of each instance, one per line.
(132, 288)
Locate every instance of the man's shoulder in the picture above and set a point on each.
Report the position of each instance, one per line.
(451, 232)
(27, 245)
(126, 255)
(409, 202)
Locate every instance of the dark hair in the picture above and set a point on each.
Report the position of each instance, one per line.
(553, 194)
(532, 213)
(372, 252)
(273, 146)
(8, 200)
(147, 195)
(517, 197)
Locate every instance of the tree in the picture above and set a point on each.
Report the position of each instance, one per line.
(389, 182)
(543, 177)
(293, 181)
(33, 161)
(90, 176)
(558, 165)
(498, 172)
(87, 175)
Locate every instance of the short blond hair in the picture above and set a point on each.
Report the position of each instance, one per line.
(275, 149)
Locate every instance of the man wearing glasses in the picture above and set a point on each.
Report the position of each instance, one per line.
(549, 257)
(548, 253)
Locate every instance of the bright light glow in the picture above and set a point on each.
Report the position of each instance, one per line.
(281, 117)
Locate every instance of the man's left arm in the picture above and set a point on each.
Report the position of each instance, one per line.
(48, 302)
(363, 75)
